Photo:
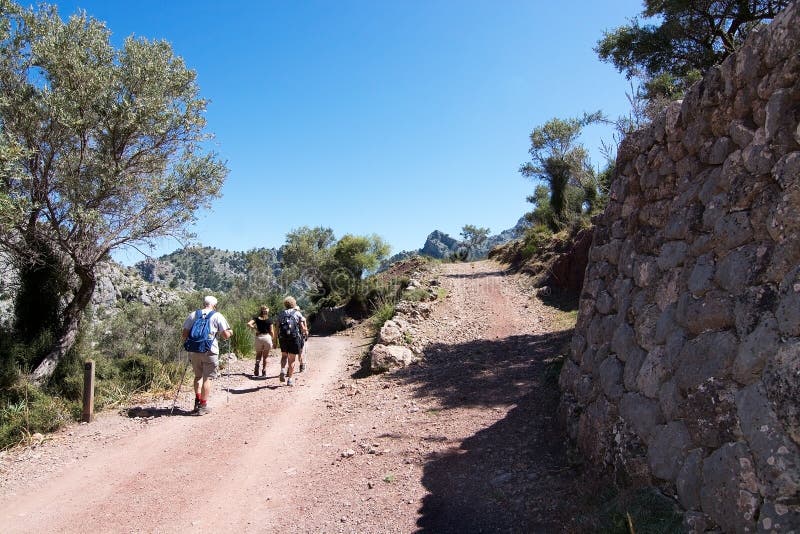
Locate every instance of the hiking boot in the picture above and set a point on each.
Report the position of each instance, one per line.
(282, 376)
(302, 367)
(290, 381)
(196, 404)
(264, 372)
(203, 409)
(255, 371)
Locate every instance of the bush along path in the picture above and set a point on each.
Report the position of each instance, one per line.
(465, 440)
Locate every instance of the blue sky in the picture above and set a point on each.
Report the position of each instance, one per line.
(387, 117)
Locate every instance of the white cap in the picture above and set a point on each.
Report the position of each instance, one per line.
(210, 300)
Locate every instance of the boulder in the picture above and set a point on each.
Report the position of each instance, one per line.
(387, 357)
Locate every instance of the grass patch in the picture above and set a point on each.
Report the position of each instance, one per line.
(25, 410)
(417, 294)
(644, 510)
(552, 369)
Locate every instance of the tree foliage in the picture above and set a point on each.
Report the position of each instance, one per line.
(563, 164)
(100, 148)
(673, 42)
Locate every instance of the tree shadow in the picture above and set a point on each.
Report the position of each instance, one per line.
(513, 476)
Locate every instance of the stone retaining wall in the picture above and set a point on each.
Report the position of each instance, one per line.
(684, 369)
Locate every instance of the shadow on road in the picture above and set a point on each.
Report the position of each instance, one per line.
(514, 475)
(138, 411)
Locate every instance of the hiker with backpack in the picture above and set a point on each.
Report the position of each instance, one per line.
(265, 334)
(301, 357)
(291, 330)
(200, 332)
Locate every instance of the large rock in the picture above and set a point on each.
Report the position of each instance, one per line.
(730, 488)
(385, 358)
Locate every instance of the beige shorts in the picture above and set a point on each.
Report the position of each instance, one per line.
(263, 343)
(205, 365)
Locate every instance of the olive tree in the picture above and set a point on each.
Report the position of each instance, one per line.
(100, 148)
(558, 160)
(673, 42)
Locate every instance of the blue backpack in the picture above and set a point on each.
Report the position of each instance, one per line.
(200, 338)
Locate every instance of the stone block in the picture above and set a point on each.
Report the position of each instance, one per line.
(714, 311)
(632, 366)
(740, 133)
(758, 157)
(754, 350)
(783, 386)
(776, 456)
(642, 414)
(730, 488)
(740, 267)
(672, 254)
(669, 288)
(665, 325)
(707, 356)
(645, 271)
(701, 275)
(788, 311)
(709, 412)
(610, 376)
(689, 481)
(623, 341)
(732, 230)
(655, 369)
(670, 400)
(774, 517)
(668, 449)
(645, 326)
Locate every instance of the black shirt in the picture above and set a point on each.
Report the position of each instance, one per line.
(263, 326)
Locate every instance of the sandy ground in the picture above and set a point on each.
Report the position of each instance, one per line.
(466, 441)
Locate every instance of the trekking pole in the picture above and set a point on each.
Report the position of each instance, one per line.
(180, 384)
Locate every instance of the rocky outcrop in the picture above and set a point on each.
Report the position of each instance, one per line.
(441, 246)
(685, 364)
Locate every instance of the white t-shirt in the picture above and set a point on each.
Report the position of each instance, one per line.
(217, 323)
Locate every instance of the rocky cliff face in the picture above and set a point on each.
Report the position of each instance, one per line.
(440, 245)
(685, 365)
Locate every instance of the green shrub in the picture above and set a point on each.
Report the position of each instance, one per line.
(26, 410)
(536, 238)
(382, 314)
(242, 342)
(417, 294)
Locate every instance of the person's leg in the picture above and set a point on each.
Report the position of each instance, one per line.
(284, 359)
(206, 390)
(290, 369)
(197, 368)
(210, 369)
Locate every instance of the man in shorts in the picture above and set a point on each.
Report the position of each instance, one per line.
(206, 364)
(291, 331)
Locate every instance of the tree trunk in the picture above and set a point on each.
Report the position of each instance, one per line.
(70, 326)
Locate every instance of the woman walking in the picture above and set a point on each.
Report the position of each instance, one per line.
(265, 332)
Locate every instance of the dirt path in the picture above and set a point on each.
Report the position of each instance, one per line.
(464, 442)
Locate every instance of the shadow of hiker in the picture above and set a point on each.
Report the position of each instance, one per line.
(139, 411)
(250, 390)
(514, 475)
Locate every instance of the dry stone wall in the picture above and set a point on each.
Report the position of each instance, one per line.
(684, 369)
